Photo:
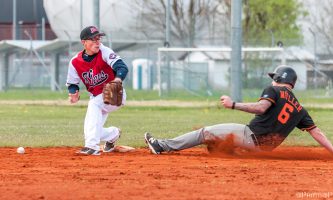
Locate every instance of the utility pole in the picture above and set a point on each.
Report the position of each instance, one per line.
(81, 14)
(14, 28)
(236, 52)
(167, 25)
(167, 44)
(96, 13)
(315, 58)
(272, 43)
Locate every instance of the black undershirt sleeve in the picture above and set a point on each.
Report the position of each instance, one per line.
(120, 69)
(72, 88)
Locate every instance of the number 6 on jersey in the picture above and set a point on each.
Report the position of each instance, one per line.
(284, 114)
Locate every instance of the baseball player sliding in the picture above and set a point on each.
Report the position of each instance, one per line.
(277, 113)
(96, 66)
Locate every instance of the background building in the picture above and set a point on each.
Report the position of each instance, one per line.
(30, 16)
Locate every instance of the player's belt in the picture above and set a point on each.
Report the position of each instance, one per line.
(255, 141)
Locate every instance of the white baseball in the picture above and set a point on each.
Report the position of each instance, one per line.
(20, 150)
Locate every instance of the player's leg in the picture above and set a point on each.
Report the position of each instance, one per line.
(111, 108)
(105, 112)
(202, 136)
(93, 124)
(111, 134)
(184, 141)
(239, 134)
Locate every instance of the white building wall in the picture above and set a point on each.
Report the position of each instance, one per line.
(301, 72)
(218, 74)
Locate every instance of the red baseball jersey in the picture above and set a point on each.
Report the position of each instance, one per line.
(94, 74)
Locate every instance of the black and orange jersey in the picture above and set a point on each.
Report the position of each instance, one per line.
(282, 116)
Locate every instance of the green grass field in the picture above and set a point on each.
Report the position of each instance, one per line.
(41, 126)
(308, 96)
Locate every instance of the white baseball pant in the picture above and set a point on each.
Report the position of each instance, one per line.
(97, 113)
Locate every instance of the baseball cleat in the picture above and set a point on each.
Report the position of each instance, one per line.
(110, 145)
(89, 151)
(153, 145)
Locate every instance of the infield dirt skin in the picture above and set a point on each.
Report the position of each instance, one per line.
(59, 173)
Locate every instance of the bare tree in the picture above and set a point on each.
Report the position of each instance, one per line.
(321, 24)
(191, 20)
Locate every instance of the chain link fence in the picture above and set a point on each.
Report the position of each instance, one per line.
(197, 72)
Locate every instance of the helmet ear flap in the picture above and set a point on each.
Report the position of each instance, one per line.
(277, 78)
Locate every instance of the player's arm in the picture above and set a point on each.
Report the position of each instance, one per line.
(320, 137)
(120, 69)
(73, 93)
(259, 107)
(116, 63)
(73, 81)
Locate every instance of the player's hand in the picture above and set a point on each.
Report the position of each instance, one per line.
(73, 98)
(117, 79)
(226, 101)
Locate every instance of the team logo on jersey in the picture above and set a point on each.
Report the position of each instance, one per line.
(112, 56)
(93, 80)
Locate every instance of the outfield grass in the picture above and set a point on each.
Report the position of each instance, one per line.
(308, 96)
(41, 126)
(63, 125)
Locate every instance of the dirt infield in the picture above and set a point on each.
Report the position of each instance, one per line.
(57, 173)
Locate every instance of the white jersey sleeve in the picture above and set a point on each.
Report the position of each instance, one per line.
(72, 75)
(108, 55)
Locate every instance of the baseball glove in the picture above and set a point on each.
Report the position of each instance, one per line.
(113, 93)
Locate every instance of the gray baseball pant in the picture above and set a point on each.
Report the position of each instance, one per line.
(241, 136)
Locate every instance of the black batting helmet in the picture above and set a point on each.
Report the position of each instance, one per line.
(284, 74)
